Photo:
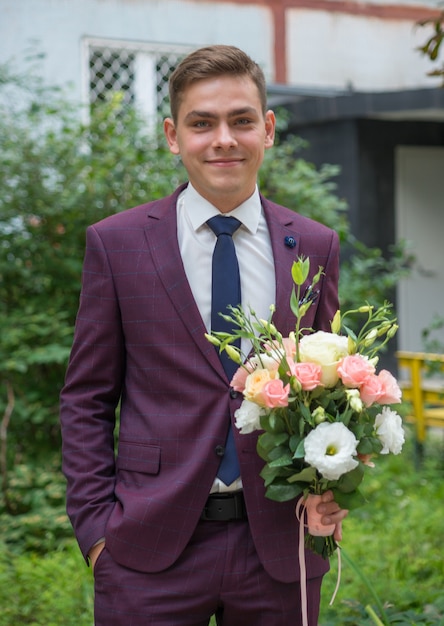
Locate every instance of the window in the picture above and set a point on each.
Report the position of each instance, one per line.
(140, 71)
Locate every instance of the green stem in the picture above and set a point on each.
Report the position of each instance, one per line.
(369, 586)
(373, 615)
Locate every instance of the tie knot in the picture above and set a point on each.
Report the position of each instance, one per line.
(221, 225)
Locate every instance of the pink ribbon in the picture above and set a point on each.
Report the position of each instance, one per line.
(300, 509)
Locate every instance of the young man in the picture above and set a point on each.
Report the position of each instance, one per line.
(169, 541)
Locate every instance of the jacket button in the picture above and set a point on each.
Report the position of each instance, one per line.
(233, 393)
(219, 450)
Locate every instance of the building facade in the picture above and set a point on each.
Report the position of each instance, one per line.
(348, 71)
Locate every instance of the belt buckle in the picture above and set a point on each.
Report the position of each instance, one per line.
(224, 507)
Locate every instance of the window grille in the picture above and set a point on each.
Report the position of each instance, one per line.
(140, 71)
(111, 70)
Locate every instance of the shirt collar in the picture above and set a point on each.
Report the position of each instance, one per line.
(199, 210)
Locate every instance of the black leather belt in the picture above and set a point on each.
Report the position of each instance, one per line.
(224, 507)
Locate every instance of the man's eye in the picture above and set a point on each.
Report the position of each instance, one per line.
(243, 121)
(201, 124)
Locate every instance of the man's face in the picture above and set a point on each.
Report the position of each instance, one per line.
(221, 135)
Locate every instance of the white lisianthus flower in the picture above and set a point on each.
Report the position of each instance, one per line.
(248, 417)
(388, 425)
(325, 349)
(330, 449)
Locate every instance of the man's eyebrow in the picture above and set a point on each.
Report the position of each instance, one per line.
(209, 115)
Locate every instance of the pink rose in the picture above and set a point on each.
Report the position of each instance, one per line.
(354, 369)
(308, 374)
(239, 378)
(392, 393)
(289, 346)
(371, 390)
(275, 394)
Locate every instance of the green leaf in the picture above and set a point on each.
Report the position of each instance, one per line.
(349, 501)
(282, 492)
(300, 450)
(269, 474)
(294, 303)
(350, 481)
(307, 475)
(282, 460)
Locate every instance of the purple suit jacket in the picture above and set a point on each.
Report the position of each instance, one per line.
(139, 340)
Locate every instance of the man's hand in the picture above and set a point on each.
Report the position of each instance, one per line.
(332, 513)
(95, 552)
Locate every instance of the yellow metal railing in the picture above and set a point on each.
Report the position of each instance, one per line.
(424, 392)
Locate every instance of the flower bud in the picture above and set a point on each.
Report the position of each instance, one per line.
(319, 415)
(318, 275)
(392, 331)
(212, 339)
(366, 308)
(336, 323)
(299, 270)
(370, 337)
(385, 327)
(233, 353)
(354, 400)
(271, 328)
(351, 345)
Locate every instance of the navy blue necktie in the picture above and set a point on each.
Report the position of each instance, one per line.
(225, 290)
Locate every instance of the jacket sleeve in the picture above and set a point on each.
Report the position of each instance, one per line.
(90, 397)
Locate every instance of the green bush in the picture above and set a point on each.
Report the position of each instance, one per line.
(52, 590)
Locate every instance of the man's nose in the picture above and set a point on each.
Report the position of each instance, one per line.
(224, 137)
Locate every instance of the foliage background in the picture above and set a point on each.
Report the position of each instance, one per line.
(58, 174)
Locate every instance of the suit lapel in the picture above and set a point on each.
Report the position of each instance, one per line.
(161, 235)
(285, 241)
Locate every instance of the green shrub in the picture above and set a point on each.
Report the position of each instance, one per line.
(51, 590)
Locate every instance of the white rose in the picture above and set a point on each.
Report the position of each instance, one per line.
(248, 417)
(388, 426)
(325, 349)
(330, 449)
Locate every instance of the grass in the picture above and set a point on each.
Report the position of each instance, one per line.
(392, 565)
(393, 545)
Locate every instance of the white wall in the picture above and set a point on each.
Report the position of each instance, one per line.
(420, 221)
(329, 49)
(57, 27)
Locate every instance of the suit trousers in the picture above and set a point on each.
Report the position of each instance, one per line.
(219, 573)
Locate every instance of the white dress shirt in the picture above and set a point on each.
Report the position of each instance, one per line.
(254, 253)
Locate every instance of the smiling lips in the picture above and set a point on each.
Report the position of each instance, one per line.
(224, 162)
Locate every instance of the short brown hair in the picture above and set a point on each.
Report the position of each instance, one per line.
(214, 61)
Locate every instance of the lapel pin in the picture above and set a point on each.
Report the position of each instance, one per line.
(290, 242)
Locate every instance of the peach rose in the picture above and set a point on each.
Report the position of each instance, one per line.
(308, 374)
(354, 369)
(392, 392)
(275, 394)
(255, 383)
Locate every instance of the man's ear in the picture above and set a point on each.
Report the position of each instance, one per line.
(270, 128)
(169, 129)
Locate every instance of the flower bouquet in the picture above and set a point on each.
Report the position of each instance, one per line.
(317, 399)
